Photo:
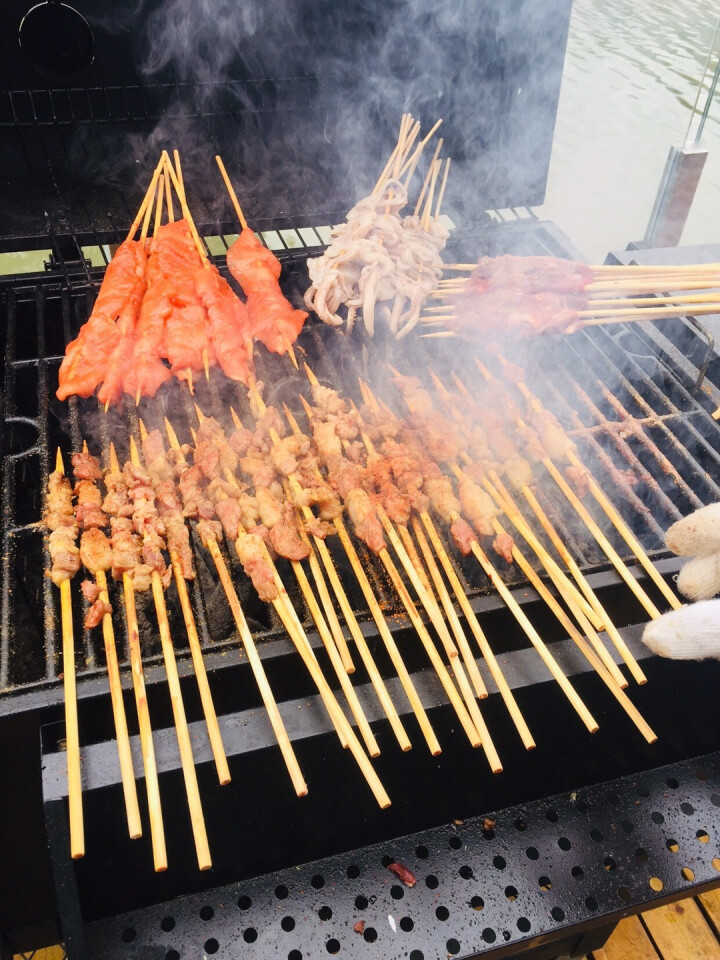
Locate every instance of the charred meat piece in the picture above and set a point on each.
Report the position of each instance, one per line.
(463, 535)
(86, 467)
(503, 546)
(253, 556)
(95, 550)
(364, 519)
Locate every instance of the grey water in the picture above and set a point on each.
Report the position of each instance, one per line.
(631, 77)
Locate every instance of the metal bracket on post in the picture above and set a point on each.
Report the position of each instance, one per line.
(675, 195)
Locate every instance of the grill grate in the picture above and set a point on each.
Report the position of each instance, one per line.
(613, 392)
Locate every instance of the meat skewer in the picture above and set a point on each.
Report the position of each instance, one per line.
(519, 475)
(96, 556)
(421, 585)
(210, 543)
(612, 514)
(602, 621)
(251, 547)
(378, 616)
(349, 691)
(378, 546)
(446, 505)
(280, 464)
(598, 662)
(182, 568)
(65, 563)
(275, 323)
(144, 518)
(410, 465)
(126, 555)
(347, 611)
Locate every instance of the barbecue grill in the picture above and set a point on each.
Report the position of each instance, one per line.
(541, 859)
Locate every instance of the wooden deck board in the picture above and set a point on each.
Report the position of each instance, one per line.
(629, 941)
(680, 932)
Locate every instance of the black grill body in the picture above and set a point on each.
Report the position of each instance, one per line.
(61, 194)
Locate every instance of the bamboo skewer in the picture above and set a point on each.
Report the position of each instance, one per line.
(582, 644)
(197, 819)
(147, 201)
(439, 583)
(563, 584)
(122, 736)
(530, 632)
(360, 642)
(72, 734)
(127, 773)
(346, 734)
(417, 576)
(493, 666)
(325, 634)
(612, 514)
(447, 604)
(243, 223)
(379, 619)
(499, 493)
(430, 649)
(206, 699)
(534, 637)
(253, 657)
(157, 830)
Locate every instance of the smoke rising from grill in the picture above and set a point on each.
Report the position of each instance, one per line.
(312, 138)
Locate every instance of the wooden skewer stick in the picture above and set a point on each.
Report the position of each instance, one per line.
(259, 672)
(493, 666)
(149, 211)
(180, 191)
(122, 736)
(442, 188)
(127, 773)
(447, 604)
(253, 657)
(347, 611)
(534, 637)
(197, 819)
(582, 644)
(411, 164)
(157, 830)
(178, 173)
(345, 731)
(427, 642)
(612, 514)
(326, 636)
(418, 578)
(564, 585)
(572, 566)
(500, 494)
(72, 734)
(428, 177)
(206, 699)
(391, 160)
(379, 618)
(431, 193)
(595, 318)
(231, 192)
(147, 201)
(629, 538)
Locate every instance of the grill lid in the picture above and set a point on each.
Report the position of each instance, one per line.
(301, 97)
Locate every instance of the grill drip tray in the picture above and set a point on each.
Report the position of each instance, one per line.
(547, 877)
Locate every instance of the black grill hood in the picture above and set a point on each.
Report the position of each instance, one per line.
(302, 98)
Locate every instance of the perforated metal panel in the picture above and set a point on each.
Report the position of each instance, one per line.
(498, 885)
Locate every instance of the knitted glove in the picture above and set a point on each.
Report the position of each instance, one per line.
(693, 632)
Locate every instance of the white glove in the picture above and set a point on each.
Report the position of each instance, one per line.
(692, 633)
